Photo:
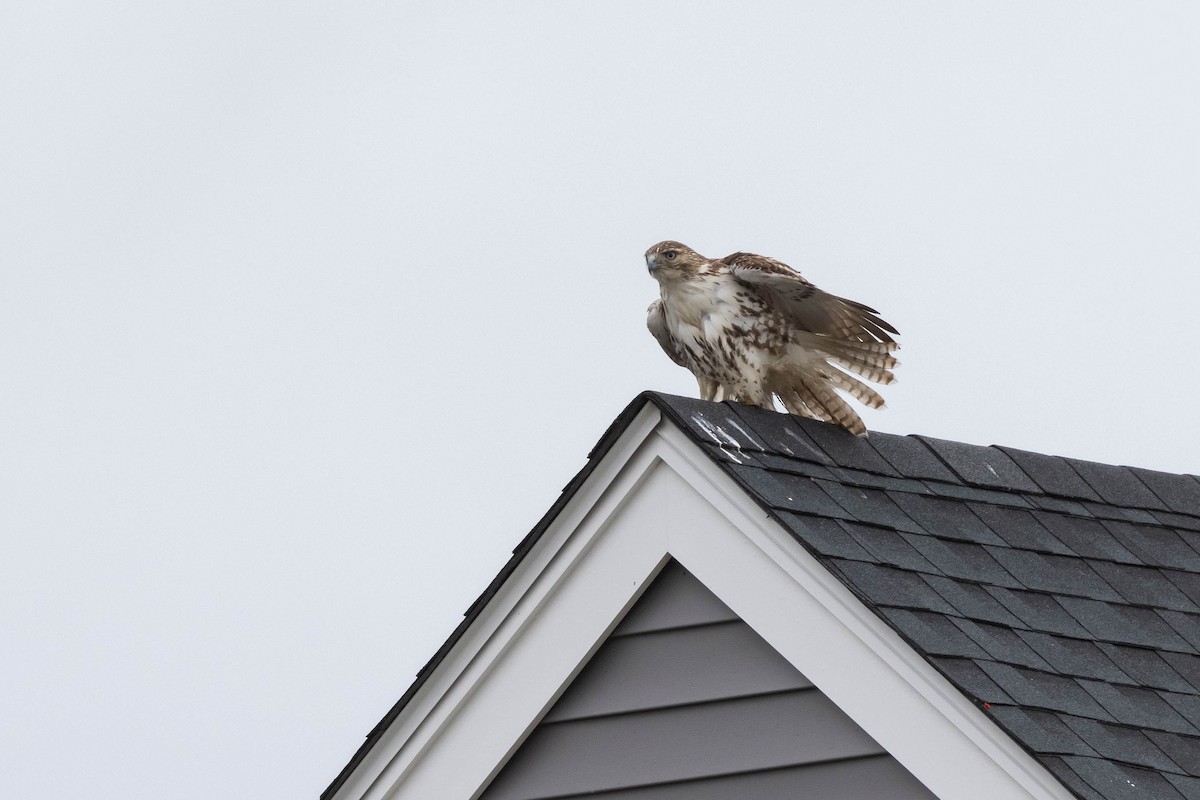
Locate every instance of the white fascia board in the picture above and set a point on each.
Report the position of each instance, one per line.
(653, 497)
(466, 669)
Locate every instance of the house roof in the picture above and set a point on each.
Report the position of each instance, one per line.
(1061, 596)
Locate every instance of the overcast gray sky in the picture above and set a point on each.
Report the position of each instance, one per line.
(309, 310)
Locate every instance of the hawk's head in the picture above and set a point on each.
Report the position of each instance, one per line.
(671, 260)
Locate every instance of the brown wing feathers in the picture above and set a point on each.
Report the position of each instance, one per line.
(811, 308)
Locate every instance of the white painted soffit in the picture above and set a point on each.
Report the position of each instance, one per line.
(657, 496)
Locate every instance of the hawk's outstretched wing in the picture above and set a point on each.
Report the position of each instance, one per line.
(810, 308)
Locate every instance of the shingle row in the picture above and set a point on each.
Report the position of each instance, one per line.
(744, 428)
(957, 576)
(1104, 560)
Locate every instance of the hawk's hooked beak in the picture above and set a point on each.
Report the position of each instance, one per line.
(651, 262)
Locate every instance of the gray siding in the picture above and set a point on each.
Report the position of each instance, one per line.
(871, 778)
(671, 668)
(685, 700)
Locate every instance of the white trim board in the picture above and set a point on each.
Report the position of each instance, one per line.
(655, 496)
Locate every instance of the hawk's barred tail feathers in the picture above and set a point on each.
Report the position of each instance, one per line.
(799, 401)
(855, 388)
(806, 381)
(827, 404)
(871, 360)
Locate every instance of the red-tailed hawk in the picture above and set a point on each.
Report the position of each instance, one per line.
(750, 329)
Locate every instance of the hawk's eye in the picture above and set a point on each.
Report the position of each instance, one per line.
(670, 254)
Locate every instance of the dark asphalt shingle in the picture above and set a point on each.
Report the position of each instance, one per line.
(869, 505)
(889, 547)
(733, 455)
(1127, 745)
(1172, 520)
(1186, 666)
(1180, 749)
(1178, 492)
(781, 434)
(945, 518)
(1036, 689)
(1053, 573)
(1190, 537)
(1087, 537)
(1053, 475)
(1156, 547)
(1002, 644)
(1121, 513)
(1188, 706)
(1113, 781)
(934, 633)
(971, 680)
(1116, 485)
(717, 423)
(826, 536)
(1133, 705)
(1146, 667)
(972, 601)
(887, 586)
(1075, 657)
(1019, 528)
(1060, 505)
(910, 457)
(1123, 624)
(1038, 612)
(1070, 778)
(872, 480)
(952, 491)
(1144, 586)
(1185, 625)
(793, 466)
(981, 466)
(1188, 786)
(1044, 731)
(963, 560)
(791, 493)
(846, 449)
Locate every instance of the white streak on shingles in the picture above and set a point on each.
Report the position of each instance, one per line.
(717, 435)
(804, 444)
(742, 431)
